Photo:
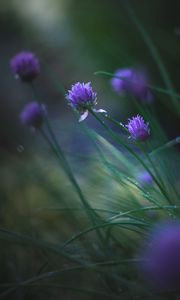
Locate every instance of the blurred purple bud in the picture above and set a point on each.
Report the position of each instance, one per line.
(144, 178)
(160, 257)
(33, 114)
(25, 65)
(134, 82)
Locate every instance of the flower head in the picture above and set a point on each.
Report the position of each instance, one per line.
(33, 114)
(138, 129)
(161, 263)
(134, 82)
(25, 65)
(82, 98)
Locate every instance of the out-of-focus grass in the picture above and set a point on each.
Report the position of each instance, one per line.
(45, 232)
(49, 248)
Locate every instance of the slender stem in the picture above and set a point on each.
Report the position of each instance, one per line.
(63, 162)
(168, 91)
(142, 148)
(119, 124)
(93, 216)
(154, 53)
(119, 140)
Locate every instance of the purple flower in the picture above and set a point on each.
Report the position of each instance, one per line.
(82, 98)
(25, 65)
(161, 256)
(33, 114)
(134, 82)
(138, 129)
(144, 178)
(122, 84)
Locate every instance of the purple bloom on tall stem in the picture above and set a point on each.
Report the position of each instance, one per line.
(160, 257)
(33, 114)
(25, 65)
(138, 129)
(132, 81)
(82, 98)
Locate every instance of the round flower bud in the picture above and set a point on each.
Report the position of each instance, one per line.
(134, 82)
(145, 179)
(160, 258)
(33, 114)
(25, 66)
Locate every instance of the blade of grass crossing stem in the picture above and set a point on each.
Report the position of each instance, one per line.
(154, 52)
(119, 140)
(92, 215)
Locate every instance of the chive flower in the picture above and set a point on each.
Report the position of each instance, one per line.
(33, 115)
(25, 66)
(132, 81)
(82, 98)
(160, 256)
(138, 129)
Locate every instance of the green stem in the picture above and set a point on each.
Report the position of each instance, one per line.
(153, 51)
(142, 148)
(119, 124)
(63, 162)
(156, 89)
(93, 216)
(119, 140)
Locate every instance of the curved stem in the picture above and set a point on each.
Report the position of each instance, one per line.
(119, 140)
(92, 215)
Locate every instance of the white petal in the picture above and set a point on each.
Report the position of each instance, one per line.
(99, 110)
(83, 116)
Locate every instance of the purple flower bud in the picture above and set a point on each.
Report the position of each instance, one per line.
(33, 114)
(25, 65)
(161, 263)
(138, 129)
(82, 98)
(144, 178)
(134, 82)
(122, 84)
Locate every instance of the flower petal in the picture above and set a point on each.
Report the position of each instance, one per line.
(99, 110)
(83, 116)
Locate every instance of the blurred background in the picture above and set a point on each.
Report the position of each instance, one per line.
(74, 39)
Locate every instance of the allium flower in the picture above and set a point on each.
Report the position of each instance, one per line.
(122, 84)
(138, 129)
(161, 261)
(33, 114)
(144, 178)
(134, 82)
(25, 65)
(82, 98)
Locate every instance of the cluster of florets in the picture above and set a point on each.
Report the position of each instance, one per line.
(138, 129)
(132, 81)
(25, 66)
(83, 99)
(160, 258)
